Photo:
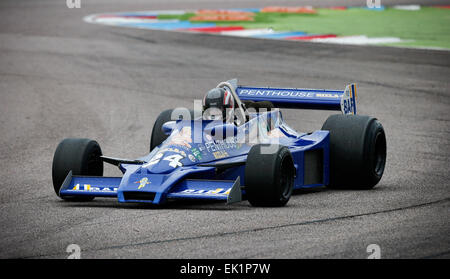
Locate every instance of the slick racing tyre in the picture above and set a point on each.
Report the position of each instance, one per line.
(357, 151)
(81, 156)
(158, 135)
(269, 176)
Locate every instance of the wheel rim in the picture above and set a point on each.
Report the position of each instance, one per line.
(94, 164)
(380, 154)
(286, 179)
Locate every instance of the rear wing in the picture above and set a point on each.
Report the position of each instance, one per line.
(320, 99)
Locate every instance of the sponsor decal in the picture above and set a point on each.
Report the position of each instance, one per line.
(90, 188)
(201, 148)
(196, 153)
(348, 101)
(191, 157)
(220, 145)
(144, 181)
(285, 93)
(218, 191)
(220, 154)
(327, 95)
(175, 150)
(279, 93)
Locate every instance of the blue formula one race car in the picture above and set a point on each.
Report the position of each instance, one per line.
(256, 155)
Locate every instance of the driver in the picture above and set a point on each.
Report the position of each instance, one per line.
(218, 104)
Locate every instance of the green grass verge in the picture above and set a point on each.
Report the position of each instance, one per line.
(428, 27)
(186, 16)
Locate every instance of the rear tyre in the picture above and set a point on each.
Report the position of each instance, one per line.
(81, 156)
(158, 135)
(357, 151)
(269, 178)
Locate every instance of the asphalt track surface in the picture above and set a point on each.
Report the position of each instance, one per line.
(61, 77)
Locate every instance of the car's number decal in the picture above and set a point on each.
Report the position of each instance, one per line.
(174, 160)
(154, 160)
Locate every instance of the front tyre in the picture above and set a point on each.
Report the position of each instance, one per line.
(357, 151)
(269, 175)
(81, 156)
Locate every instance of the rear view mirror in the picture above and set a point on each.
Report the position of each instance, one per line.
(168, 127)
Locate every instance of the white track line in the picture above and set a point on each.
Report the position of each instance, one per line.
(247, 32)
(358, 40)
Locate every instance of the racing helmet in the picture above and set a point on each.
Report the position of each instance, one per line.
(218, 104)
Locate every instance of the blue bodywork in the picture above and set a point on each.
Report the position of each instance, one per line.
(193, 164)
(190, 167)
